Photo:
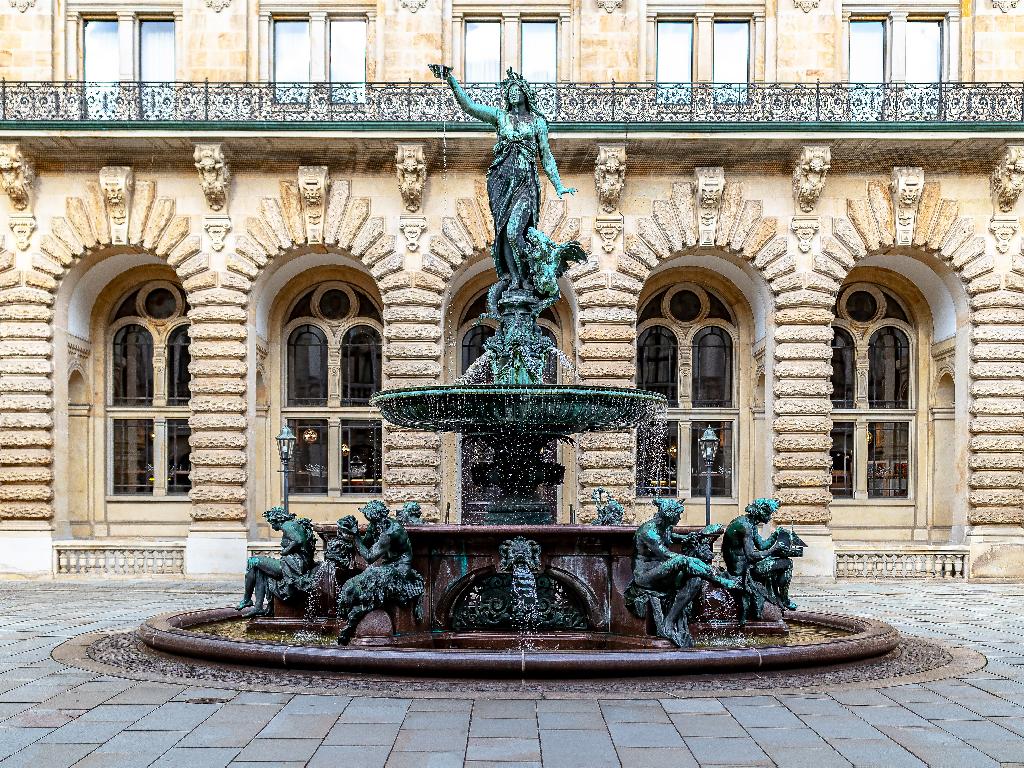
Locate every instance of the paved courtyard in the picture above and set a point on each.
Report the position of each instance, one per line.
(55, 716)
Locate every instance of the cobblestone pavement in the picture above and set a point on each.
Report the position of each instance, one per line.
(54, 716)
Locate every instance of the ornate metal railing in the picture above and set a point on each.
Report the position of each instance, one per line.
(565, 104)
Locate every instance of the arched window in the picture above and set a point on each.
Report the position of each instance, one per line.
(712, 368)
(360, 365)
(889, 369)
(657, 368)
(307, 366)
(473, 345)
(132, 366)
(178, 358)
(844, 364)
(550, 375)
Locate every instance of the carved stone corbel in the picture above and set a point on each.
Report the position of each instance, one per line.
(313, 186)
(805, 228)
(214, 174)
(610, 175)
(907, 186)
(608, 227)
(809, 175)
(217, 228)
(22, 226)
(1003, 229)
(411, 169)
(710, 186)
(16, 176)
(1008, 178)
(411, 228)
(116, 183)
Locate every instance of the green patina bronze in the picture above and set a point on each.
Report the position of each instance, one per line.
(284, 578)
(762, 566)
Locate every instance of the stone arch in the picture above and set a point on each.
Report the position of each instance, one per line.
(996, 305)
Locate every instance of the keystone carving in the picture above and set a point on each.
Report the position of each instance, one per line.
(1008, 178)
(23, 225)
(1003, 228)
(411, 168)
(411, 228)
(217, 227)
(907, 186)
(710, 185)
(313, 184)
(805, 228)
(608, 228)
(16, 175)
(116, 182)
(610, 175)
(609, 5)
(809, 176)
(1002, 5)
(214, 174)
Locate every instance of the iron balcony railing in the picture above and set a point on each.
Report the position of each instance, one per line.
(565, 104)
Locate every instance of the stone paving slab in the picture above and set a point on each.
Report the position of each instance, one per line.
(56, 716)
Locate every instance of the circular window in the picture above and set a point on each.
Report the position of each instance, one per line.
(335, 304)
(861, 306)
(161, 303)
(685, 306)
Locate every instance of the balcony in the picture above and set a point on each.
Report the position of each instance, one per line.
(568, 106)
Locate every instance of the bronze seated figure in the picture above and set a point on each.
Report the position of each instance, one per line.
(283, 578)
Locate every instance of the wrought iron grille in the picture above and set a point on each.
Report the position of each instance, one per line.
(563, 103)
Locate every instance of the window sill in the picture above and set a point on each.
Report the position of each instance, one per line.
(148, 498)
(874, 502)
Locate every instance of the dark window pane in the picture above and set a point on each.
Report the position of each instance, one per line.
(307, 366)
(308, 469)
(160, 303)
(178, 456)
(712, 368)
(652, 308)
(888, 459)
(473, 345)
(844, 372)
(132, 366)
(842, 460)
(657, 458)
(302, 308)
(721, 467)
(889, 369)
(684, 306)
(335, 304)
(861, 306)
(717, 309)
(178, 358)
(127, 307)
(657, 367)
(132, 457)
(360, 365)
(360, 457)
(550, 375)
(894, 311)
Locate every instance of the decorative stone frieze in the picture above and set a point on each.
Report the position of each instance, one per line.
(22, 225)
(411, 169)
(413, 5)
(412, 227)
(217, 228)
(1003, 229)
(313, 187)
(809, 175)
(217, 5)
(609, 5)
(805, 228)
(608, 228)
(806, 5)
(116, 183)
(710, 187)
(214, 174)
(610, 175)
(1003, 5)
(907, 188)
(1008, 178)
(22, 5)
(16, 176)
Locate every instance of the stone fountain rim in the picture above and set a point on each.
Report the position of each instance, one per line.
(170, 633)
(513, 389)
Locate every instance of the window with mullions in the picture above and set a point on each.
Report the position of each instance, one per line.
(361, 466)
(730, 71)
(888, 459)
(307, 367)
(657, 368)
(132, 366)
(132, 454)
(844, 355)
(721, 467)
(473, 342)
(307, 472)
(712, 368)
(483, 51)
(539, 51)
(348, 60)
(889, 369)
(657, 458)
(178, 456)
(842, 457)
(178, 359)
(361, 352)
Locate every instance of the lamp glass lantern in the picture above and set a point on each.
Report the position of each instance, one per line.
(708, 443)
(285, 443)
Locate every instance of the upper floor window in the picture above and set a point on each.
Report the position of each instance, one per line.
(483, 52)
(291, 51)
(101, 62)
(150, 60)
(156, 51)
(924, 51)
(893, 48)
(675, 52)
(731, 52)
(867, 51)
(539, 51)
(348, 51)
(889, 369)
(657, 366)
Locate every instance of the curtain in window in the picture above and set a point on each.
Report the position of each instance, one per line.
(483, 51)
(102, 66)
(156, 67)
(307, 367)
(132, 366)
(348, 60)
(540, 51)
(657, 368)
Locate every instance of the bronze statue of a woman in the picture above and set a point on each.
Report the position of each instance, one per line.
(527, 261)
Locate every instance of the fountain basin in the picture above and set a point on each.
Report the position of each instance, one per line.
(554, 410)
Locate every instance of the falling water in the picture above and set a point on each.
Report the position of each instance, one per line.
(524, 610)
(477, 373)
(566, 364)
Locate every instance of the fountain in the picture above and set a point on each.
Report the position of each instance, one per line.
(406, 597)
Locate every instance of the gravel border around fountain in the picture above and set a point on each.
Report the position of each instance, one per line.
(123, 654)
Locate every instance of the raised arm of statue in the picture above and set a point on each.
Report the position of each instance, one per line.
(470, 107)
(548, 160)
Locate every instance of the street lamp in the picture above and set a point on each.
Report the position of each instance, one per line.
(708, 444)
(285, 448)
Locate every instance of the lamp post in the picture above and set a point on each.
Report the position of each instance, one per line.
(285, 448)
(708, 444)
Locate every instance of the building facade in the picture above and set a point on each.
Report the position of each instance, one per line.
(222, 217)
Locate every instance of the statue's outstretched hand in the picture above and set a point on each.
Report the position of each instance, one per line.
(440, 71)
(565, 191)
